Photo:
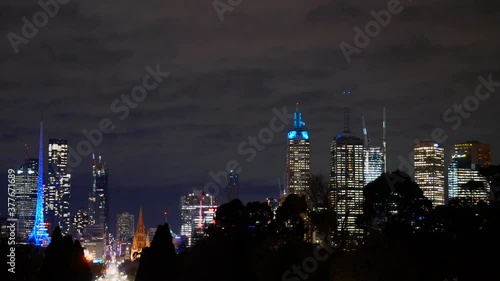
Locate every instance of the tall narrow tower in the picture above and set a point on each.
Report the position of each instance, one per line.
(347, 182)
(298, 170)
(39, 235)
(233, 182)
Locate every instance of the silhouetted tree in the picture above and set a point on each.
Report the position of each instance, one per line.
(393, 200)
(159, 262)
(64, 260)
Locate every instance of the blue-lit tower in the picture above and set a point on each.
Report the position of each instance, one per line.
(39, 235)
(298, 170)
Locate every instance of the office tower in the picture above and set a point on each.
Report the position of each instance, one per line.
(39, 235)
(298, 170)
(347, 182)
(99, 198)
(26, 187)
(139, 241)
(124, 234)
(197, 213)
(93, 241)
(79, 222)
(125, 226)
(58, 192)
(466, 160)
(429, 170)
(233, 181)
(375, 157)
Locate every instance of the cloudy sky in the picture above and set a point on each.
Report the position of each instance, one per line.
(226, 77)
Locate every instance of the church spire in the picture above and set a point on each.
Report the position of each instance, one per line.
(140, 223)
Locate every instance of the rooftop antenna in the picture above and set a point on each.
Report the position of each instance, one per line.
(384, 141)
(365, 132)
(346, 115)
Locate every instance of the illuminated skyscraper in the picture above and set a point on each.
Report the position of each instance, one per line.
(125, 226)
(233, 182)
(124, 234)
(99, 199)
(79, 222)
(58, 192)
(466, 160)
(347, 182)
(375, 157)
(197, 213)
(39, 235)
(298, 170)
(26, 188)
(429, 170)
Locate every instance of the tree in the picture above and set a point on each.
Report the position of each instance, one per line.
(393, 198)
(64, 260)
(159, 262)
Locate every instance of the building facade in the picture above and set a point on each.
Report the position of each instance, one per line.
(347, 183)
(99, 196)
(429, 171)
(58, 191)
(79, 222)
(197, 213)
(298, 158)
(26, 187)
(466, 160)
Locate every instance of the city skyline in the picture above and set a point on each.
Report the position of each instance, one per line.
(227, 77)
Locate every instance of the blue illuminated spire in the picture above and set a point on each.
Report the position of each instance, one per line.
(297, 117)
(298, 126)
(39, 235)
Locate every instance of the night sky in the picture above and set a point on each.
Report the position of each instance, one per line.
(226, 77)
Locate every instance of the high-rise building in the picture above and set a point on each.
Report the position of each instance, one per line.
(99, 198)
(79, 222)
(429, 170)
(58, 192)
(347, 182)
(124, 234)
(140, 238)
(233, 182)
(26, 187)
(466, 160)
(375, 157)
(197, 213)
(39, 235)
(298, 162)
(125, 227)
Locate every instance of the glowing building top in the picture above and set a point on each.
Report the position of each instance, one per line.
(299, 131)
